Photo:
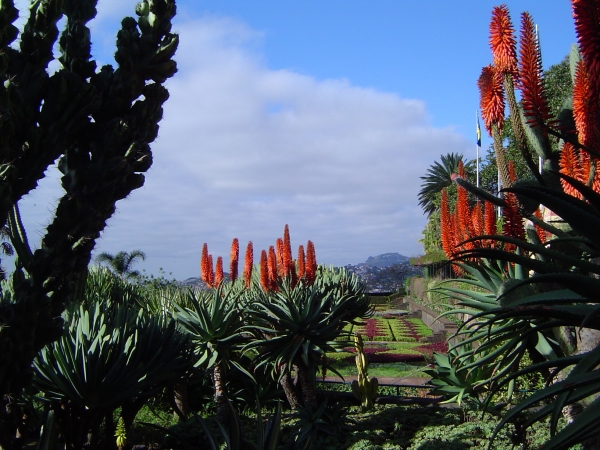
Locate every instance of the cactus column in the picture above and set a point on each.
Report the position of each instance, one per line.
(97, 124)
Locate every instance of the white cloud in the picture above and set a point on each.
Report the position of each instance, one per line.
(244, 149)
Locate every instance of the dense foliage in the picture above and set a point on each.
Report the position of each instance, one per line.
(533, 292)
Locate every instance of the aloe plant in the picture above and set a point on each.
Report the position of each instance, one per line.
(559, 298)
(214, 321)
(111, 356)
(294, 327)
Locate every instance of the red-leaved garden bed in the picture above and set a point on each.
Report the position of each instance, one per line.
(393, 329)
(385, 354)
(394, 339)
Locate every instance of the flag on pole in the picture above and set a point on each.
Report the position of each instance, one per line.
(478, 133)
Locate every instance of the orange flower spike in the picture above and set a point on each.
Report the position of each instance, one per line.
(502, 41)
(264, 271)
(219, 271)
(539, 230)
(234, 259)
(461, 169)
(585, 109)
(460, 225)
(585, 163)
(288, 263)
(273, 268)
(462, 207)
(204, 269)
(248, 262)
(491, 98)
(512, 174)
(531, 83)
(513, 221)
(211, 273)
(311, 263)
(477, 219)
(586, 15)
(571, 166)
(279, 254)
(490, 219)
(446, 225)
(301, 263)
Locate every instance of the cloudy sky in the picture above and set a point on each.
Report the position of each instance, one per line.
(320, 115)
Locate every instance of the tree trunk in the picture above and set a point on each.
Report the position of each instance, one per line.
(306, 382)
(291, 393)
(223, 413)
(180, 394)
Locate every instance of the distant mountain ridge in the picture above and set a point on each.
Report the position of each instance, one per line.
(381, 273)
(386, 260)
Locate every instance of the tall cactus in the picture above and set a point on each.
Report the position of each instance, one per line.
(97, 124)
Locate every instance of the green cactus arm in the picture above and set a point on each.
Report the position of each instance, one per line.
(40, 33)
(18, 236)
(8, 15)
(75, 43)
(102, 161)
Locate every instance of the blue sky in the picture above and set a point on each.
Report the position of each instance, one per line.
(322, 115)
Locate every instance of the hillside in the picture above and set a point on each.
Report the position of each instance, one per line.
(381, 273)
(386, 260)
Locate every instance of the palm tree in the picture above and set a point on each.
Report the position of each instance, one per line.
(121, 263)
(437, 178)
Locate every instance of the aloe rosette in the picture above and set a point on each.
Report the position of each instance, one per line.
(110, 356)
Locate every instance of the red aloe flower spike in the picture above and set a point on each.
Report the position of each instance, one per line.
(477, 219)
(571, 166)
(446, 228)
(288, 264)
(273, 268)
(301, 263)
(531, 83)
(264, 271)
(248, 262)
(491, 98)
(311, 263)
(462, 208)
(513, 221)
(461, 169)
(219, 271)
(279, 254)
(586, 15)
(204, 268)
(511, 172)
(461, 229)
(490, 221)
(462, 205)
(211, 273)
(502, 41)
(233, 260)
(585, 107)
(540, 231)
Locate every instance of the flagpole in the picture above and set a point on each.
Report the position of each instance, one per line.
(478, 143)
